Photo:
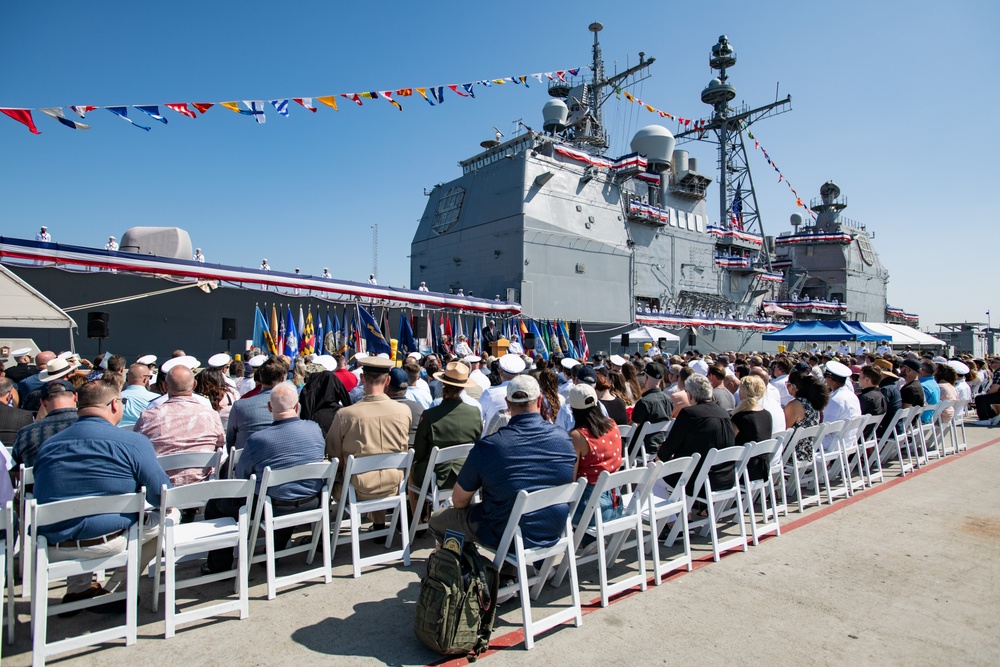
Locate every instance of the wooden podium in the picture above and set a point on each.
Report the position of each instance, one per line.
(498, 348)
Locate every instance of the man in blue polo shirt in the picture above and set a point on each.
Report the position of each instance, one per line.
(95, 458)
(528, 453)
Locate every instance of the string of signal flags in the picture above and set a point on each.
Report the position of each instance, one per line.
(433, 95)
(699, 124)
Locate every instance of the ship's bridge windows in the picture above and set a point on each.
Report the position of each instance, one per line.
(448, 210)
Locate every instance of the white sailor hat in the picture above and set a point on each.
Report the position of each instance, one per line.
(415, 355)
(146, 359)
(959, 367)
(20, 352)
(186, 360)
(939, 360)
(511, 363)
(219, 360)
(326, 361)
(382, 355)
(360, 355)
(569, 363)
(617, 360)
(838, 369)
(472, 358)
(257, 361)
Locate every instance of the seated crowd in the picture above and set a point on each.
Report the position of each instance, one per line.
(535, 423)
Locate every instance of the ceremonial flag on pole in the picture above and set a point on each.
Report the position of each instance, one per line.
(291, 335)
(275, 341)
(259, 329)
(376, 342)
(22, 116)
(151, 111)
(320, 341)
(301, 329)
(339, 338)
(182, 108)
(432, 334)
(122, 112)
(584, 348)
(308, 344)
(331, 344)
(406, 340)
(60, 115)
(448, 330)
(540, 347)
(459, 329)
(282, 332)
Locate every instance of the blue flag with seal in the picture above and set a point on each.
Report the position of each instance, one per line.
(259, 327)
(319, 334)
(407, 341)
(291, 335)
(374, 340)
(540, 347)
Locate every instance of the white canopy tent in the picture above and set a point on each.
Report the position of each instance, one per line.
(903, 335)
(24, 307)
(652, 335)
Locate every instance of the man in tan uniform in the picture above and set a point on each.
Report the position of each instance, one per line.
(374, 425)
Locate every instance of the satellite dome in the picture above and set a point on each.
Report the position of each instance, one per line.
(656, 143)
(554, 115)
(795, 219)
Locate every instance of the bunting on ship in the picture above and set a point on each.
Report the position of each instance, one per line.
(772, 277)
(732, 262)
(724, 233)
(900, 313)
(630, 162)
(637, 208)
(681, 321)
(65, 255)
(808, 304)
(793, 239)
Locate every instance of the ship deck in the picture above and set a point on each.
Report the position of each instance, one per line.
(904, 573)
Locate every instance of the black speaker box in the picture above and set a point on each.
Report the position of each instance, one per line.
(97, 325)
(228, 328)
(421, 331)
(692, 339)
(529, 341)
(574, 330)
(624, 340)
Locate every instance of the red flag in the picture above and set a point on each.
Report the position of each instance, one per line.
(306, 102)
(454, 87)
(181, 108)
(22, 116)
(202, 106)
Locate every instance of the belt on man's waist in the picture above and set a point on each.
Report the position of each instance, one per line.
(90, 542)
(276, 502)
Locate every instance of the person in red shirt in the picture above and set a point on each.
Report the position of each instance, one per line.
(349, 379)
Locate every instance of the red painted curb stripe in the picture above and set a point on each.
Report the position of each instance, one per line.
(516, 637)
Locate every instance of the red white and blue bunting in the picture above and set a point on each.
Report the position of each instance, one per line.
(793, 239)
(901, 314)
(810, 304)
(772, 277)
(732, 262)
(653, 213)
(681, 321)
(722, 232)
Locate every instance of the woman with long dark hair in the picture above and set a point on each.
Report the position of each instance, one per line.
(809, 397)
(211, 383)
(612, 403)
(552, 401)
(598, 446)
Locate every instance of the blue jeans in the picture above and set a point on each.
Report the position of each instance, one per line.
(606, 506)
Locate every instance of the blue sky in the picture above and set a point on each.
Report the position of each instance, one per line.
(890, 99)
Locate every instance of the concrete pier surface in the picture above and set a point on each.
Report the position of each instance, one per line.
(907, 572)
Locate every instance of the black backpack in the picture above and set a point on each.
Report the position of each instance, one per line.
(457, 603)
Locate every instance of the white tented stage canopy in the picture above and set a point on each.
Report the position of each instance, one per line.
(26, 308)
(646, 335)
(903, 335)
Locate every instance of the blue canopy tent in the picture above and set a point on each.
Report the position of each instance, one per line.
(817, 330)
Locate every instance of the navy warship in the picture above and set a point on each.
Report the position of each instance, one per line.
(548, 219)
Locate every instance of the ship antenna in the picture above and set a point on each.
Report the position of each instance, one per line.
(593, 94)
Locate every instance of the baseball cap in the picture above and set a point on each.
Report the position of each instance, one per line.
(586, 375)
(398, 379)
(912, 364)
(523, 389)
(654, 370)
(582, 396)
(57, 387)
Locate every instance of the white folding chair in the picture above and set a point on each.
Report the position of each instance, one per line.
(46, 572)
(177, 540)
(930, 432)
(185, 460)
(428, 489)
(803, 474)
(7, 567)
(956, 429)
(896, 432)
(851, 452)
(522, 556)
(778, 471)
(231, 461)
(943, 428)
(318, 518)
(868, 449)
(617, 529)
(637, 451)
(914, 440)
(26, 478)
(763, 488)
(349, 503)
(665, 502)
(831, 453)
(721, 502)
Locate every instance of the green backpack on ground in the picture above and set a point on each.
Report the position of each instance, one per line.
(457, 603)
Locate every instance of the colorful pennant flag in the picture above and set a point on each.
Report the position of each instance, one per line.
(256, 108)
(59, 115)
(235, 106)
(81, 111)
(329, 100)
(22, 116)
(307, 102)
(151, 111)
(281, 106)
(181, 108)
(122, 112)
(202, 106)
(423, 93)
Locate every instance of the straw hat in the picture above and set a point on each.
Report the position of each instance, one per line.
(455, 374)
